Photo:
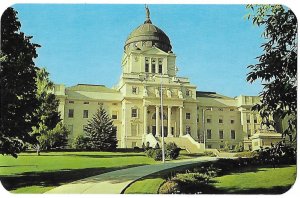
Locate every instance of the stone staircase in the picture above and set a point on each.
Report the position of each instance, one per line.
(185, 142)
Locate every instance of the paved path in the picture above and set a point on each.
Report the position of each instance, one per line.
(116, 181)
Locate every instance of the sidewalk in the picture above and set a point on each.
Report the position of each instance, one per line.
(114, 182)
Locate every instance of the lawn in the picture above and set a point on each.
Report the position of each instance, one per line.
(30, 173)
(257, 180)
(249, 180)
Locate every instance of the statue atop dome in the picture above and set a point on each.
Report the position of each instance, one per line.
(147, 15)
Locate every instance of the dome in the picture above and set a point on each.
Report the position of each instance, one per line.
(146, 36)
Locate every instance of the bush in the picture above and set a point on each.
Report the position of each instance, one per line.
(209, 153)
(80, 142)
(247, 154)
(169, 187)
(172, 151)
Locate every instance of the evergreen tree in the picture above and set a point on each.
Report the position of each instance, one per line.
(17, 86)
(101, 132)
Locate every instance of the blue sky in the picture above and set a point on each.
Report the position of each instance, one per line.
(83, 43)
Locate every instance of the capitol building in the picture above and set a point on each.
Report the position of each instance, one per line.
(194, 120)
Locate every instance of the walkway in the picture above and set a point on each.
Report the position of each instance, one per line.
(116, 181)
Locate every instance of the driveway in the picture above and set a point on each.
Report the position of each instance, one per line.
(116, 181)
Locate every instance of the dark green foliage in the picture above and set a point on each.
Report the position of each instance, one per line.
(172, 151)
(101, 132)
(169, 187)
(277, 67)
(18, 89)
(80, 142)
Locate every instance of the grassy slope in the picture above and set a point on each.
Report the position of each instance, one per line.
(37, 174)
(258, 180)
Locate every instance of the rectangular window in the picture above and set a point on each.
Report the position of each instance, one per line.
(221, 134)
(146, 67)
(187, 92)
(153, 68)
(208, 134)
(221, 146)
(85, 113)
(220, 120)
(208, 120)
(232, 134)
(220, 109)
(188, 116)
(134, 90)
(71, 102)
(114, 115)
(71, 113)
(160, 69)
(86, 103)
(232, 121)
(248, 121)
(188, 130)
(134, 113)
(255, 121)
(209, 146)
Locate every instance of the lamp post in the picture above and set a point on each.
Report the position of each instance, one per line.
(162, 121)
(203, 122)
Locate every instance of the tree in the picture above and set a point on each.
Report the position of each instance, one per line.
(17, 82)
(101, 132)
(50, 130)
(277, 67)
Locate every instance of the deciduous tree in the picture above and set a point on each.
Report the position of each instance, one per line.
(277, 66)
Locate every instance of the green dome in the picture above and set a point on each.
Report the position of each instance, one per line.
(146, 36)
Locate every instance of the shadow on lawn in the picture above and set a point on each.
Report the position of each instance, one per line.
(57, 178)
(90, 156)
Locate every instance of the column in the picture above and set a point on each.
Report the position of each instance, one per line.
(169, 121)
(145, 120)
(157, 134)
(180, 121)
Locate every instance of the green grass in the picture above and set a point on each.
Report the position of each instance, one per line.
(257, 180)
(145, 186)
(30, 173)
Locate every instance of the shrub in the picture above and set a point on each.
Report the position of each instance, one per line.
(172, 151)
(157, 155)
(209, 153)
(80, 142)
(169, 187)
(189, 178)
(248, 154)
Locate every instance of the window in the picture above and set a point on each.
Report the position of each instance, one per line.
(221, 146)
(114, 115)
(208, 135)
(255, 120)
(134, 113)
(160, 68)
(153, 66)
(232, 121)
(232, 134)
(86, 103)
(134, 90)
(220, 109)
(208, 120)
(188, 116)
(221, 134)
(209, 146)
(248, 121)
(71, 102)
(220, 120)
(71, 113)
(231, 109)
(188, 130)
(85, 113)
(147, 65)
(187, 92)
